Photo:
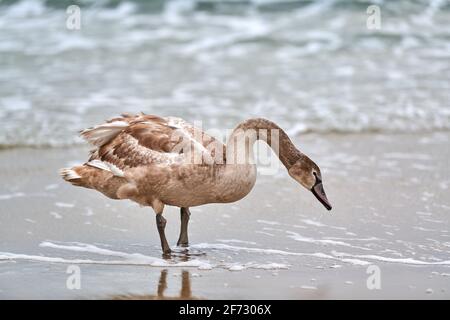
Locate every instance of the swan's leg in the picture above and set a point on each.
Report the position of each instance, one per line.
(161, 224)
(162, 285)
(158, 207)
(185, 292)
(183, 239)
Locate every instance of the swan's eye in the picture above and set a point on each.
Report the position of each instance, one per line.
(318, 180)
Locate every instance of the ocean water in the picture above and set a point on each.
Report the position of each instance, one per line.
(311, 66)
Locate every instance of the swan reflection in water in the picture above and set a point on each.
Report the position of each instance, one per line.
(185, 291)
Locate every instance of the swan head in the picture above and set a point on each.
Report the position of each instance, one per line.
(307, 173)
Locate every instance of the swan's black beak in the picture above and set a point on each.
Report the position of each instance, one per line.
(319, 192)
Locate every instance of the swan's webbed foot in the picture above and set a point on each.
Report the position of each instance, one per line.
(183, 239)
(161, 225)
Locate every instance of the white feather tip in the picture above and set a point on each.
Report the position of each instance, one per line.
(69, 174)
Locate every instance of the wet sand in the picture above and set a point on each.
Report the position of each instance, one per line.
(391, 209)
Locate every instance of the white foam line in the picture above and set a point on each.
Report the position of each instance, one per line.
(135, 259)
(393, 260)
(353, 259)
(308, 287)
(354, 239)
(265, 233)
(221, 246)
(236, 241)
(150, 261)
(320, 224)
(142, 260)
(251, 265)
(313, 223)
(272, 223)
(128, 258)
(298, 237)
(12, 195)
(14, 256)
(82, 247)
(64, 205)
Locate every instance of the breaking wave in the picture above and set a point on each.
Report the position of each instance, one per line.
(311, 66)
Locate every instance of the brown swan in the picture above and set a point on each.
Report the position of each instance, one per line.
(157, 161)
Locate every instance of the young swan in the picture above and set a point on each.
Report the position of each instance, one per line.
(149, 160)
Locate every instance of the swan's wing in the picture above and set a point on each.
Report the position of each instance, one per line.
(139, 140)
(201, 141)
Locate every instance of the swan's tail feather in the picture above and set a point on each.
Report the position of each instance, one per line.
(93, 177)
(72, 175)
(102, 134)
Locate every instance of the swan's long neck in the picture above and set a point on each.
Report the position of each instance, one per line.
(240, 144)
(238, 176)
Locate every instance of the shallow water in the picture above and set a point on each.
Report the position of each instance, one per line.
(390, 209)
(308, 65)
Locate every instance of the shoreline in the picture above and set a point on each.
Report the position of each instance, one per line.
(294, 137)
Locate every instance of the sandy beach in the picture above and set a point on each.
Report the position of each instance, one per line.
(362, 87)
(391, 208)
